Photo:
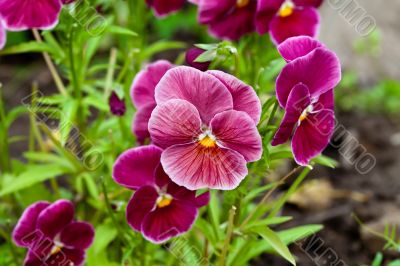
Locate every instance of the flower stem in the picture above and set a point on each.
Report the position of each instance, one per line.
(50, 65)
(266, 196)
(231, 221)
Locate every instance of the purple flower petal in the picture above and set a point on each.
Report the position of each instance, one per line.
(235, 130)
(299, 99)
(142, 90)
(325, 101)
(136, 167)
(28, 14)
(203, 90)
(313, 135)
(196, 167)
(55, 217)
(3, 36)
(174, 122)
(164, 223)
(141, 204)
(140, 123)
(314, 3)
(244, 97)
(67, 257)
(77, 235)
(304, 21)
(165, 7)
(24, 231)
(266, 11)
(319, 71)
(234, 23)
(117, 105)
(203, 199)
(211, 9)
(298, 46)
(192, 54)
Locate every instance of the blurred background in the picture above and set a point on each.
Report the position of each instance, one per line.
(349, 202)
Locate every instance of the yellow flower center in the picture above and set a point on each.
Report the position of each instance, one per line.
(56, 249)
(305, 113)
(164, 200)
(242, 3)
(286, 9)
(207, 142)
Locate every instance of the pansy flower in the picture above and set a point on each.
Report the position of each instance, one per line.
(30, 14)
(117, 105)
(304, 89)
(159, 209)
(51, 234)
(287, 18)
(142, 94)
(206, 122)
(228, 19)
(165, 7)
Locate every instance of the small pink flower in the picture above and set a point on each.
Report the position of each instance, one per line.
(29, 14)
(51, 235)
(142, 94)
(165, 7)
(206, 122)
(288, 18)
(304, 89)
(228, 19)
(159, 209)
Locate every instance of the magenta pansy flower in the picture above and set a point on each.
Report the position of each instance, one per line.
(28, 14)
(287, 18)
(142, 94)
(228, 19)
(159, 209)
(206, 122)
(304, 89)
(165, 7)
(51, 234)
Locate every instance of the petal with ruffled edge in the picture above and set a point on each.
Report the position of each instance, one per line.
(235, 23)
(174, 122)
(77, 235)
(136, 167)
(298, 46)
(28, 14)
(312, 136)
(55, 217)
(196, 167)
(303, 21)
(244, 97)
(299, 99)
(140, 125)
(235, 130)
(314, 3)
(142, 203)
(319, 71)
(170, 221)
(25, 231)
(203, 90)
(3, 36)
(145, 82)
(163, 8)
(266, 11)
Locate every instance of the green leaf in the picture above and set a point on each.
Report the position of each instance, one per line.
(161, 46)
(207, 56)
(276, 243)
(394, 263)
(28, 47)
(377, 260)
(267, 222)
(114, 29)
(207, 46)
(326, 161)
(33, 175)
